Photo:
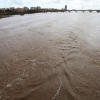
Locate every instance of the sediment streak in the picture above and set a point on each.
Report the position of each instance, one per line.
(59, 88)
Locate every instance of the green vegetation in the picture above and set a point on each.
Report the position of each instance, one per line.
(8, 12)
(3, 16)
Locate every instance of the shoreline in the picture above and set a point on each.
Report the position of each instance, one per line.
(4, 16)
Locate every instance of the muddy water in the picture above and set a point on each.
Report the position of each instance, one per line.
(50, 56)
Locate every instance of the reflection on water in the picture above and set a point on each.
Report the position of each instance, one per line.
(50, 56)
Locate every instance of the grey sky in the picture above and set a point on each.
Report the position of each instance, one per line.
(72, 4)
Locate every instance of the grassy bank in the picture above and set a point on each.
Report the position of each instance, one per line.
(4, 16)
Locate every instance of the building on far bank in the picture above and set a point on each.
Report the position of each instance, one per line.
(33, 8)
(65, 7)
(51, 9)
(3, 9)
(19, 10)
(26, 8)
(38, 8)
(11, 8)
(44, 9)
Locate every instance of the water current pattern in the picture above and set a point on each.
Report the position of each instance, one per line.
(50, 56)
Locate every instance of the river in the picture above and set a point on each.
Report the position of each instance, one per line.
(50, 56)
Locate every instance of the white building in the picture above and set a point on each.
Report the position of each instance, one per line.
(3, 9)
(33, 8)
(26, 8)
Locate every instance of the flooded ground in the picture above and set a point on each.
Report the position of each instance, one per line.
(50, 56)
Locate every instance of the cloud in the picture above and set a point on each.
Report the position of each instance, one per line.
(88, 4)
(51, 1)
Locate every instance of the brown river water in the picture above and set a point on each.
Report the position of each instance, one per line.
(50, 56)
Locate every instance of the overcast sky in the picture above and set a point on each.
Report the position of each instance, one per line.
(72, 4)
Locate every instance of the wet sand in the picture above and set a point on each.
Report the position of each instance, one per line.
(50, 56)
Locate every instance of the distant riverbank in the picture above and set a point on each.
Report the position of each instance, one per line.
(4, 16)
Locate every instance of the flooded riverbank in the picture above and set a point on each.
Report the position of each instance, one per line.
(50, 56)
